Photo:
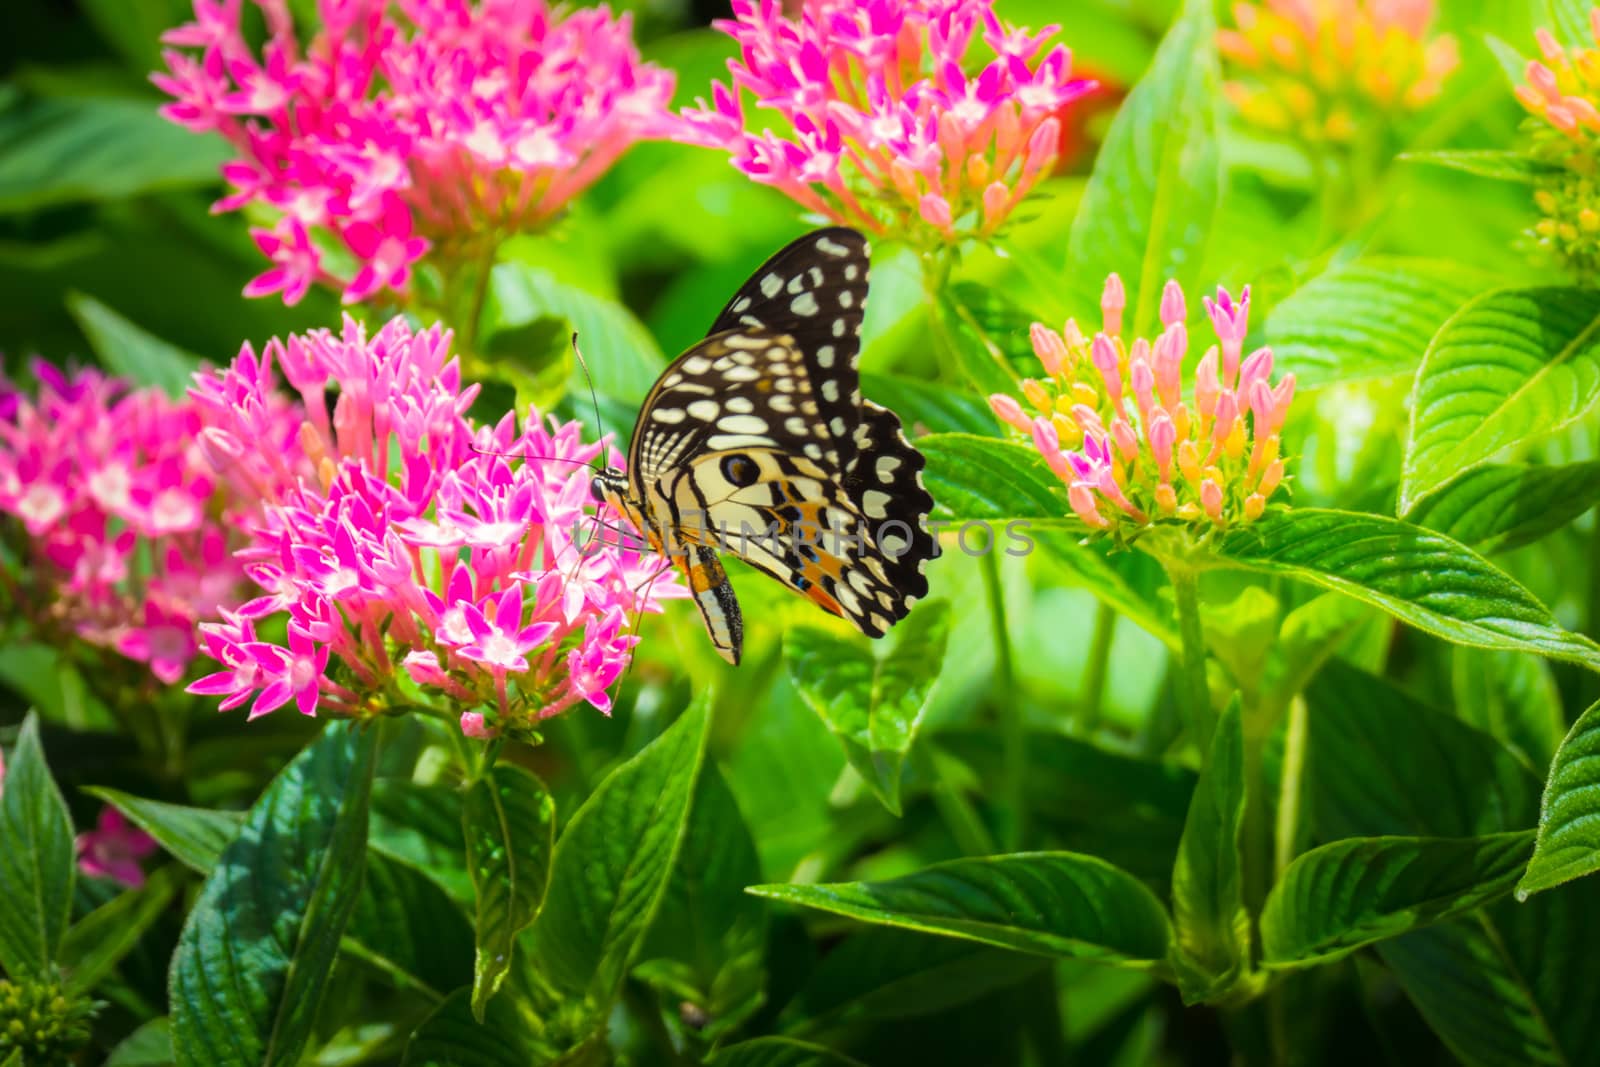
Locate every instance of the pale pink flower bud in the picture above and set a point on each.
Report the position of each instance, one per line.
(1049, 346)
(996, 202)
(1258, 367)
(1170, 349)
(1206, 387)
(1166, 499)
(1173, 309)
(1127, 441)
(1104, 354)
(1043, 146)
(1211, 500)
(1282, 396)
(1163, 435)
(1088, 419)
(1112, 300)
(473, 725)
(1594, 23)
(220, 448)
(935, 211)
(1048, 442)
(1227, 414)
(1081, 497)
(1072, 334)
(1107, 484)
(1547, 45)
(1543, 79)
(1143, 381)
(1010, 412)
(1270, 478)
(1562, 118)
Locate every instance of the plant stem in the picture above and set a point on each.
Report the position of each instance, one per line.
(1094, 677)
(1045, 1028)
(1291, 788)
(1194, 696)
(1014, 744)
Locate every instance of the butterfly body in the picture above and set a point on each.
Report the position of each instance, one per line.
(757, 441)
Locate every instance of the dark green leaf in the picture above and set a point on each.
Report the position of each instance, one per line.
(1211, 928)
(1418, 576)
(1501, 506)
(707, 941)
(131, 352)
(1487, 163)
(421, 825)
(1569, 831)
(988, 335)
(61, 149)
(614, 860)
(1372, 318)
(508, 819)
(872, 703)
(97, 942)
(1048, 903)
(1157, 179)
(255, 954)
(194, 837)
(925, 408)
(979, 478)
(36, 862)
(148, 1046)
(453, 1037)
(885, 973)
(1350, 893)
(1512, 698)
(1511, 986)
(779, 1052)
(406, 926)
(1382, 764)
(1510, 366)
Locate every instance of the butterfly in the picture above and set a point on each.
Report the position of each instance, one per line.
(757, 441)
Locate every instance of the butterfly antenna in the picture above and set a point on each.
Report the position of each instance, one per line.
(588, 380)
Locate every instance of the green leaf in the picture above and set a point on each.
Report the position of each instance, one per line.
(873, 704)
(453, 1036)
(1380, 764)
(622, 357)
(1510, 366)
(1502, 506)
(1494, 163)
(1372, 318)
(779, 1052)
(1569, 832)
(194, 837)
(982, 479)
(135, 29)
(1334, 899)
(1046, 903)
(1418, 576)
(614, 860)
(57, 150)
(148, 1046)
(536, 359)
(925, 408)
(1512, 698)
(885, 973)
(1211, 943)
(97, 942)
(1569, 21)
(508, 819)
(130, 352)
(421, 825)
(1157, 180)
(707, 942)
(256, 952)
(409, 928)
(988, 334)
(1513, 985)
(37, 863)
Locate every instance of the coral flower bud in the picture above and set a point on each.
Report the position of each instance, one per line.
(1254, 505)
(1112, 301)
(1106, 361)
(1211, 500)
(1010, 412)
(1270, 478)
(1049, 346)
(1173, 309)
(1082, 500)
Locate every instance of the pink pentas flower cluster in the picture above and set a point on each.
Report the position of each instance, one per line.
(406, 550)
(398, 127)
(114, 849)
(126, 533)
(893, 122)
(1112, 423)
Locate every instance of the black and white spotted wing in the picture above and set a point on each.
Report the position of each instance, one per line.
(761, 427)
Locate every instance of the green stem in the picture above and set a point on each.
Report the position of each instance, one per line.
(1094, 678)
(1013, 741)
(1291, 788)
(1194, 696)
(959, 816)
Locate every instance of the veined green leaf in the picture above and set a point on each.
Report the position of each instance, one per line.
(1569, 830)
(1486, 163)
(1569, 21)
(1157, 180)
(1511, 697)
(707, 942)
(453, 1036)
(1334, 899)
(36, 862)
(408, 927)
(933, 408)
(779, 1052)
(258, 947)
(1501, 506)
(1047, 903)
(1211, 943)
(1418, 576)
(148, 1046)
(872, 703)
(989, 337)
(1380, 763)
(97, 942)
(613, 862)
(1372, 318)
(980, 478)
(1510, 366)
(194, 837)
(130, 351)
(508, 820)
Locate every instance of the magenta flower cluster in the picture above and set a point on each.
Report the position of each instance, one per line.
(928, 118)
(408, 553)
(129, 532)
(400, 126)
